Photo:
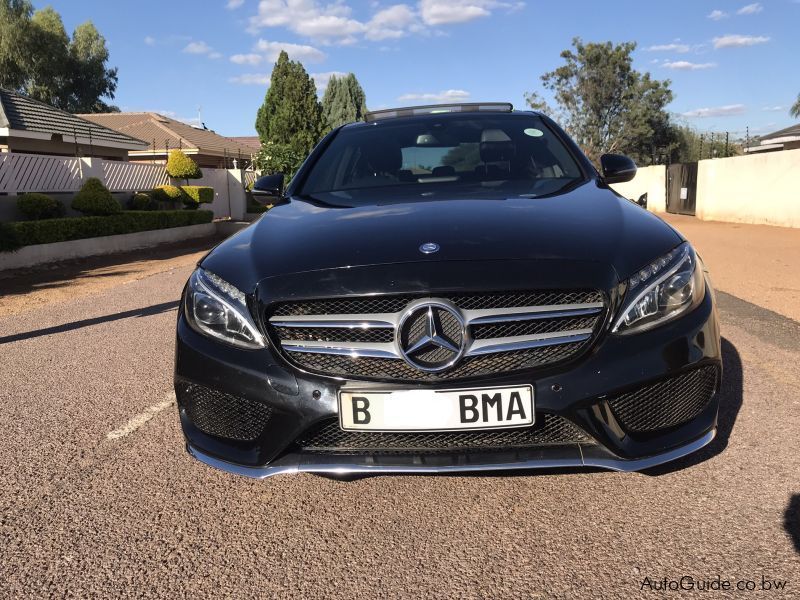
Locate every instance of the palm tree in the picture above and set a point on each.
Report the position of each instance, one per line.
(795, 110)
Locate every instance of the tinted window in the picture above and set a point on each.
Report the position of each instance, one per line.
(498, 151)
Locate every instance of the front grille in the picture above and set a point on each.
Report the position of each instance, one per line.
(382, 368)
(668, 403)
(223, 415)
(498, 332)
(551, 430)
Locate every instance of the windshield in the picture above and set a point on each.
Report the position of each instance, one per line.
(498, 155)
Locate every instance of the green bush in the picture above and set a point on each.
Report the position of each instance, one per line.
(94, 199)
(9, 238)
(40, 206)
(181, 166)
(143, 201)
(195, 195)
(28, 233)
(167, 193)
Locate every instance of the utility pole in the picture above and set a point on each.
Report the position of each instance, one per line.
(726, 144)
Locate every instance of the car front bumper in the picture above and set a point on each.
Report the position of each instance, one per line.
(256, 387)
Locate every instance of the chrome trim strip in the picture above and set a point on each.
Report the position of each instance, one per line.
(479, 316)
(354, 349)
(534, 315)
(525, 342)
(385, 319)
(343, 468)
(322, 323)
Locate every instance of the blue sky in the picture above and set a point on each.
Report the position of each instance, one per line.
(732, 64)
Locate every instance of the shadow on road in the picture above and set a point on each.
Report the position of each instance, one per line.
(730, 401)
(791, 521)
(138, 312)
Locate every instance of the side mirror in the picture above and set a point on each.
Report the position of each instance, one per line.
(642, 201)
(617, 168)
(268, 188)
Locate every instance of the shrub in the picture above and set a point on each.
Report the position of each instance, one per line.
(167, 193)
(9, 238)
(181, 166)
(94, 199)
(27, 233)
(195, 195)
(40, 206)
(143, 201)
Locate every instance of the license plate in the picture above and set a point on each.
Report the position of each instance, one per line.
(436, 410)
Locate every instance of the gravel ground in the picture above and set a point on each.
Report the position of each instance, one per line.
(99, 498)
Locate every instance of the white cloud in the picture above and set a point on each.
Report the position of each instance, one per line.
(738, 41)
(444, 96)
(718, 111)
(321, 79)
(234, 4)
(251, 79)
(750, 9)
(716, 15)
(685, 65)
(214, 55)
(679, 48)
(247, 59)
(197, 48)
(301, 52)
(331, 21)
(149, 40)
(776, 108)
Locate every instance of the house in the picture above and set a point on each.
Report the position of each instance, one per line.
(32, 127)
(784, 139)
(162, 134)
(249, 140)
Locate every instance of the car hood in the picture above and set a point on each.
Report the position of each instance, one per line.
(591, 223)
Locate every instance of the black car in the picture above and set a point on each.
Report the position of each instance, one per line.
(441, 289)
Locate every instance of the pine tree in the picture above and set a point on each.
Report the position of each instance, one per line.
(344, 101)
(291, 115)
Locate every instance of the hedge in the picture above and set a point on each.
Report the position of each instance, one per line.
(180, 166)
(195, 195)
(167, 193)
(28, 233)
(40, 206)
(94, 199)
(143, 201)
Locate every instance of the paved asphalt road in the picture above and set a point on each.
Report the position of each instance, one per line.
(99, 499)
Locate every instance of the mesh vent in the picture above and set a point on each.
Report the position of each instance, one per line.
(551, 430)
(512, 299)
(344, 306)
(223, 415)
(380, 368)
(667, 403)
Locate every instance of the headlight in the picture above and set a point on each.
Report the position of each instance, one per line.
(217, 309)
(662, 291)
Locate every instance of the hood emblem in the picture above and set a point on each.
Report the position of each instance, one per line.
(432, 336)
(429, 248)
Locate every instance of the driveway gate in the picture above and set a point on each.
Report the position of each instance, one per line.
(682, 188)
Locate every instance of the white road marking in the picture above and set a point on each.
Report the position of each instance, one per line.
(140, 419)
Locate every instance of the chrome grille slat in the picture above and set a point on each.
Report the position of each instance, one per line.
(496, 323)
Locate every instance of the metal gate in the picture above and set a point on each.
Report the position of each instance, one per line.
(682, 188)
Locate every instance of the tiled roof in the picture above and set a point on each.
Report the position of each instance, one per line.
(794, 130)
(249, 140)
(162, 132)
(21, 113)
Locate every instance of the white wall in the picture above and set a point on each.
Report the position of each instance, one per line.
(757, 188)
(651, 181)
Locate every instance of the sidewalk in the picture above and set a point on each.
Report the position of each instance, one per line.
(757, 263)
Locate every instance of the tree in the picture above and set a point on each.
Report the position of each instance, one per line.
(606, 105)
(180, 166)
(291, 115)
(344, 101)
(39, 59)
(795, 110)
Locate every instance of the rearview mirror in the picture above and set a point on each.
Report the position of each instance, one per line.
(267, 189)
(617, 168)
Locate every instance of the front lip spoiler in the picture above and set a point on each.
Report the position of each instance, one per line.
(345, 467)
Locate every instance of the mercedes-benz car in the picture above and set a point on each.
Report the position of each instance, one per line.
(445, 289)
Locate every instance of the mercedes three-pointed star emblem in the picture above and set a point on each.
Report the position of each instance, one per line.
(432, 335)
